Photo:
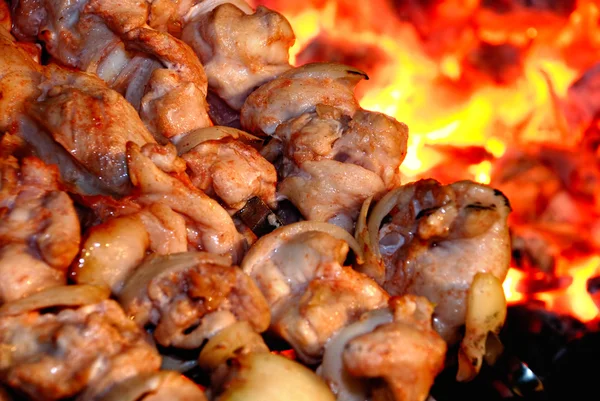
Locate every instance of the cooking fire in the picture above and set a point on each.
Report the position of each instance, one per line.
(318, 200)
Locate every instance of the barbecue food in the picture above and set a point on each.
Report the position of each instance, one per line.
(330, 163)
(158, 194)
(189, 297)
(438, 239)
(222, 165)
(158, 74)
(240, 49)
(299, 268)
(50, 356)
(397, 343)
(39, 228)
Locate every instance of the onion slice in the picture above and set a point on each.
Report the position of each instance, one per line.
(268, 243)
(486, 312)
(343, 385)
(67, 295)
(228, 343)
(334, 71)
(156, 265)
(201, 135)
(397, 197)
(373, 265)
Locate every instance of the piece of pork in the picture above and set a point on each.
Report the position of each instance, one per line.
(438, 238)
(209, 226)
(311, 295)
(228, 169)
(39, 228)
(52, 356)
(157, 73)
(240, 49)
(189, 297)
(298, 91)
(330, 163)
(91, 122)
(397, 344)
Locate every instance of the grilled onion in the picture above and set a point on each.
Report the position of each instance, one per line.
(486, 312)
(195, 138)
(267, 244)
(157, 265)
(264, 376)
(68, 295)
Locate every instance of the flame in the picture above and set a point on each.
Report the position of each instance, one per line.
(446, 98)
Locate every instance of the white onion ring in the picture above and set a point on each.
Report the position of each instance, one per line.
(228, 343)
(67, 295)
(486, 312)
(397, 197)
(207, 6)
(201, 135)
(342, 384)
(334, 71)
(157, 265)
(266, 244)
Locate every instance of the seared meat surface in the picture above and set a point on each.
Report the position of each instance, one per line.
(51, 356)
(157, 73)
(438, 238)
(311, 294)
(240, 49)
(39, 228)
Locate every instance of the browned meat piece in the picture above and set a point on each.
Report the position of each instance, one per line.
(191, 296)
(52, 356)
(91, 122)
(156, 386)
(299, 91)
(438, 238)
(299, 269)
(39, 228)
(209, 226)
(240, 49)
(157, 73)
(333, 162)
(407, 352)
(231, 171)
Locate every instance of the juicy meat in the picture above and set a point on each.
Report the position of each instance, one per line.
(330, 163)
(439, 237)
(39, 228)
(91, 122)
(332, 191)
(232, 171)
(407, 352)
(209, 226)
(52, 356)
(240, 51)
(191, 297)
(310, 293)
(157, 73)
(299, 91)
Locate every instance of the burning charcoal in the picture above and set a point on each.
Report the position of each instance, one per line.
(561, 7)
(532, 250)
(573, 373)
(503, 63)
(593, 288)
(583, 100)
(535, 335)
(365, 57)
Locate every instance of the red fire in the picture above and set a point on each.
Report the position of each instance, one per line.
(500, 92)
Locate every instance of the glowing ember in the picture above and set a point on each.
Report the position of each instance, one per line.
(488, 79)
